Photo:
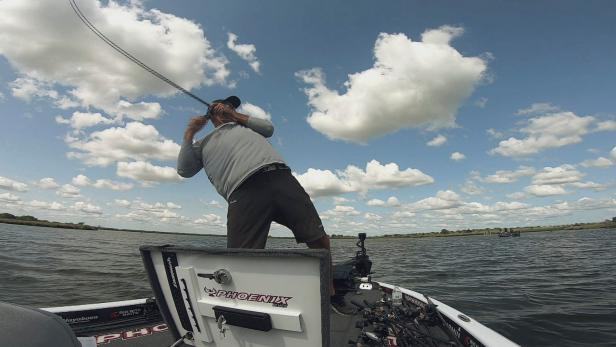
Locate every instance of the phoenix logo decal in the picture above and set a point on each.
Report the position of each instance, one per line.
(275, 300)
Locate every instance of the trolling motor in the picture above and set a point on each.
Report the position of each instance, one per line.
(363, 265)
(346, 273)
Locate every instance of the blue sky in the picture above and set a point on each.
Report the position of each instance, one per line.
(399, 117)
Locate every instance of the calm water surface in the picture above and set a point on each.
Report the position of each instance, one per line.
(542, 289)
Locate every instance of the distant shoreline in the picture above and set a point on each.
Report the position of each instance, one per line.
(7, 218)
(496, 231)
(32, 221)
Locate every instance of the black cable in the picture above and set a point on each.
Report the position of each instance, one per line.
(119, 49)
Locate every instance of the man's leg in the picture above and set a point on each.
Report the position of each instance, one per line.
(249, 216)
(295, 210)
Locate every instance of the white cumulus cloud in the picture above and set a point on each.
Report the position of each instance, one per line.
(457, 156)
(342, 210)
(48, 183)
(9, 184)
(147, 212)
(412, 84)
(122, 202)
(146, 172)
(545, 132)
(61, 51)
(84, 181)
(608, 125)
(27, 88)
(81, 181)
(392, 201)
(379, 176)
(471, 188)
(8, 197)
(354, 179)
(68, 191)
(54, 206)
(444, 199)
(538, 108)
(372, 216)
(138, 111)
(323, 183)
(558, 175)
(545, 190)
(245, 51)
(510, 206)
(86, 207)
(590, 185)
(81, 120)
(439, 140)
(339, 200)
(136, 141)
(375, 202)
(495, 134)
(254, 111)
(210, 219)
(508, 176)
(600, 162)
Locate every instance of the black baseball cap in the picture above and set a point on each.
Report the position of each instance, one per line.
(232, 100)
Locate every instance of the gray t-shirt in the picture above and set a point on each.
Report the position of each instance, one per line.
(229, 154)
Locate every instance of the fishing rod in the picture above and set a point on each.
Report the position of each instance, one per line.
(132, 58)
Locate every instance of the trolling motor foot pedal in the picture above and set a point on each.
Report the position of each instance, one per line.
(365, 286)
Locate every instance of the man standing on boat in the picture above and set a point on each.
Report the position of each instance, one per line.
(253, 178)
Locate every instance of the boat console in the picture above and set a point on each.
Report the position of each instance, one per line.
(239, 297)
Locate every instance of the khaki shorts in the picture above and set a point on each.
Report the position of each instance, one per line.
(270, 196)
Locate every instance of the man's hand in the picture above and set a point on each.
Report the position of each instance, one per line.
(226, 113)
(195, 124)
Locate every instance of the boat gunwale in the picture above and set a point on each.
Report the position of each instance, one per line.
(474, 328)
(96, 306)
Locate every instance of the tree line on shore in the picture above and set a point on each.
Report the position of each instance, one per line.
(609, 224)
(31, 220)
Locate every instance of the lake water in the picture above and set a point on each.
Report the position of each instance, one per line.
(541, 289)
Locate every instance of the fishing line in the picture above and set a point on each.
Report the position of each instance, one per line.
(119, 49)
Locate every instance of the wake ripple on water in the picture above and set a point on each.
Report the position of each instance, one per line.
(542, 289)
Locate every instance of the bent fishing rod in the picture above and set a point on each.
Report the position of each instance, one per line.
(132, 58)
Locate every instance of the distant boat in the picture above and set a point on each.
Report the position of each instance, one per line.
(509, 233)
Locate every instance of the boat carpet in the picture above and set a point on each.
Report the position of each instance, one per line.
(343, 327)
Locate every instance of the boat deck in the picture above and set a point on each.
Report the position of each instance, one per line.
(343, 328)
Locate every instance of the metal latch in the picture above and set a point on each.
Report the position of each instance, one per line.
(221, 323)
(221, 276)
